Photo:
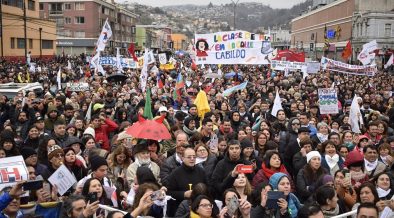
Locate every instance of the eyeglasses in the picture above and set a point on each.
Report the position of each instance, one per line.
(190, 157)
(295, 124)
(59, 155)
(206, 206)
(201, 150)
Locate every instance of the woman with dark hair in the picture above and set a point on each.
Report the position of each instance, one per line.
(198, 189)
(73, 164)
(328, 201)
(260, 144)
(145, 192)
(366, 194)
(93, 185)
(384, 186)
(236, 122)
(344, 188)
(45, 143)
(120, 160)
(308, 176)
(201, 207)
(154, 150)
(9, 146)
(272, 164)
(121, 115)
(243, 210)
(32, 139)
(330, 159)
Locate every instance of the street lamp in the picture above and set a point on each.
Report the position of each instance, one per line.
(235, 7)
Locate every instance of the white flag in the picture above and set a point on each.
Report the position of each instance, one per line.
(118, 62)
(162, 58)
(59, 78)
(95, 60)
(366, 56)
(355, 118)
(286, 72)
(80, 70)
(390, 62)
(69, 65)
(277, 105)
(144, 71)
(304, 72)
(104, 37)
(88, 116)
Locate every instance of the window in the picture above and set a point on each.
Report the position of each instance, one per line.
(20, 43)
(79, 34)
(30, 43)
(67, 20)
(79, 6)
(79, 20)
(387, 29)
(67, 6)
(14, 3)
(55, 7)
(41, 6)
(31, 5)
(47, 44)
(12, 42)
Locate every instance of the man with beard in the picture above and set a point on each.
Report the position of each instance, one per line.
(141, 159)
(225, 129)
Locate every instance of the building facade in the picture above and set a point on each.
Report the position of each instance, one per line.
(337, 22)
(79, 24)
(40, 33)
(156, 37)
(181, 41)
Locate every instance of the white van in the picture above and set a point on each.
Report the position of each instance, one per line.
(11, 89)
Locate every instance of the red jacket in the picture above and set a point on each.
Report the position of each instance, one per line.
(103, 131)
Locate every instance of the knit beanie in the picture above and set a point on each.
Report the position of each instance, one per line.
(96, 162)
(311, 155)
(90, 131)
(327, 178)
(26, 152)
(354, 158)
(54, 150)
(274, 180)
(246, 143)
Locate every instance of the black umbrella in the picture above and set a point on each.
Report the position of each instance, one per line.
(117, 77)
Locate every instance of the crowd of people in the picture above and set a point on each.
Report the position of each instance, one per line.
(237, 160)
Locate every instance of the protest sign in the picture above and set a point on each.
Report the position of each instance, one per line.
(287, 65)
(328, 101)
(63, 179)
(125, 62)
(233, 47)
(340, 67)
(77, 87)
(313, 67)
(12, 170)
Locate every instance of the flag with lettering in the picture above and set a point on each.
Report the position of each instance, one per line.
(105, 35)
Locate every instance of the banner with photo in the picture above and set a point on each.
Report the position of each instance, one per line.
(328, 101)
(287, 65)
(340, 67)
(233, 47)
(125, 62)
(12, 170)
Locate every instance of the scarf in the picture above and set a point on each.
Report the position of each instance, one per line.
(382, 193)
(331, 213)
(322, 137)
(357, 176)
(142, 163)
(384, 159)
(200, 160)
(332, 161)
(369, 166)
(189, 131)
(293, 205)
(268, 172)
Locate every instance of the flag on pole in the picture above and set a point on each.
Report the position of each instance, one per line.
(144, 71)
(277, 105)
(118, 62)
(367, 56)
(148, 106)
(131, 51)
(355, 118)
(88, 116)
(347, 52)
(80, 70)
(104, 37)
(390, 62)
(179, 81)
(59, 79)
(69, 65)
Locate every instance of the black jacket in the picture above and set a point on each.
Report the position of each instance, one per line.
(169, 165)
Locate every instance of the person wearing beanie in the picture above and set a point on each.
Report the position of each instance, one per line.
(99, 170)
(355, 163)
(55, 158)
(52, 116)
(308, 176)
(288, 206)
(248, 153)
(141, 155)
(75, 166)
(31, 159)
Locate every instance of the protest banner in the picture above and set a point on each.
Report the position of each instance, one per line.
(62, 179)
(233, 47)
(328, 101)
(77, 87)
(125, 62)
(169, 66)
(287, 65)
(12, 170)
(340, 67)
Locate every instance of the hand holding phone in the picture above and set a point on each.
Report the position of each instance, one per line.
(32, 185)
(92, 197)
(232, 206)
(273, 199)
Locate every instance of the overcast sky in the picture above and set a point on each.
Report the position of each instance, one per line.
(272, 3)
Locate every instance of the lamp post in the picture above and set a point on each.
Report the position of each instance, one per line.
(235, 7)
(40, 29)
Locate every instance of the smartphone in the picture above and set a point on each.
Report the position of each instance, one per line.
(156, 195)
(232, 206)
(245, 169)
(272, 199)
(32, 185)
(92, 197)
(348, 177)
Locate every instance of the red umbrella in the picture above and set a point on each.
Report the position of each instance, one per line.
(149, 129)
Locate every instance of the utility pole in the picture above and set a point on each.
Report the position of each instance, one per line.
(1, 30)
(235, 7)
(40, 29)
(25, 27)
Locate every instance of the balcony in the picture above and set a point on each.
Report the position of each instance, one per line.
(55, 13)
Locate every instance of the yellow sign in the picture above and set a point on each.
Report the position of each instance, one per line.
(169, 66)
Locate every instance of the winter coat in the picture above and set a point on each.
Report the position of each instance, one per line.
(169, 165)
(102, 133)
